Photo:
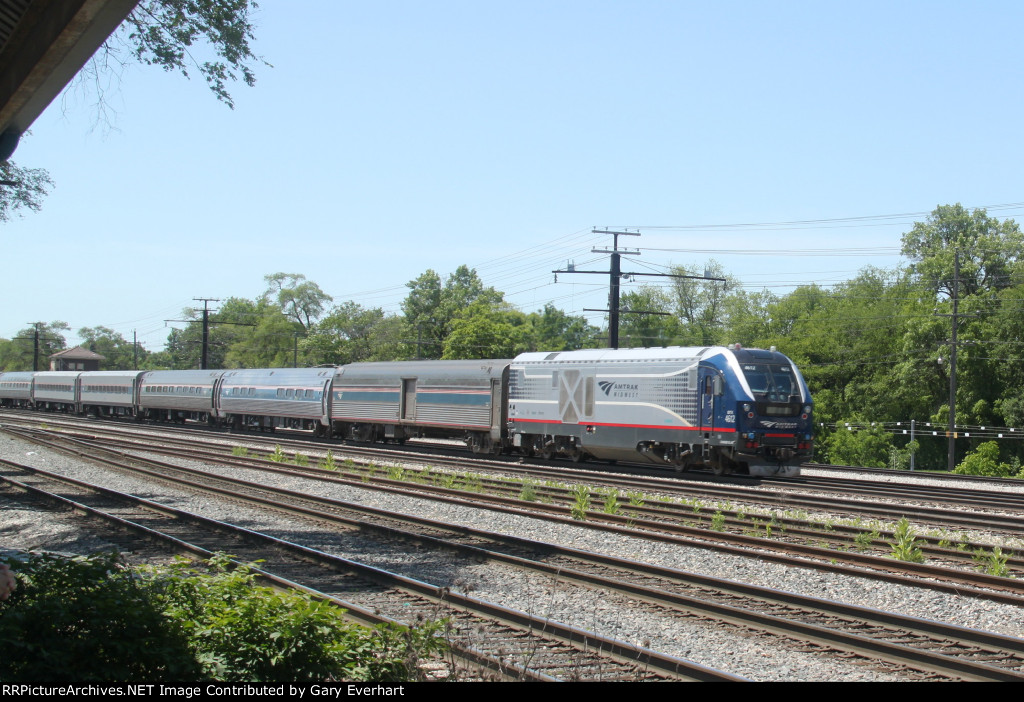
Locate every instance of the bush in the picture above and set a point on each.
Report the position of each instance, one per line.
(86, 619)
(92, 619)
(985, 461)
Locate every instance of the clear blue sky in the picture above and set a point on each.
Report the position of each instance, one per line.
(392, 137)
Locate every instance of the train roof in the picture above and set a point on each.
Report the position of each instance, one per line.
(607, 355)
(277, 375)
(660, 353)
(17, 375)
(180, 377)
(435, 370)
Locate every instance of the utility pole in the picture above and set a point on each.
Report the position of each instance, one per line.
(205, 355)
(951, 457)
(615, 275)
(953, 343)
(35, 343)
(35, 347)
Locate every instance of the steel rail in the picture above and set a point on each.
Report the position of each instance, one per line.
(644, 663)
(824, 636)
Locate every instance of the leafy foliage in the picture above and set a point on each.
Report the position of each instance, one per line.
(120, 354)
(31, 186)
(91, 619)
(431, 309)
(905, 544)
(87, 620)
(554, 330)
(299, 299)
(985, 461)
(350, 333)
(990, 250)
(166, 33)
(169, 33)
(16, 353)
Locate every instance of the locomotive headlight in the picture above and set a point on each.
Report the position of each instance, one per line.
(746, 406)
(807, 409)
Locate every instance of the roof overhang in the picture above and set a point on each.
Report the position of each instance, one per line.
(43, 44)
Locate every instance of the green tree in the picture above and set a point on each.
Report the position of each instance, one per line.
(985, 461)
(30, 186)
(989, 250)
(166, 33)
(16, 354)
(92, 619)
(749, 317)
(701, 304)
(272, 341)
(300, 299)
(488, 330)
(120, 353)
(350, 333)
(430, 308)
(643, 330)
(87, 620)
(172, 34)
(862, 445)
(554, 330)
(232, 323)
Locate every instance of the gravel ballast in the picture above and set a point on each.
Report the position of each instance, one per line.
(716, 646)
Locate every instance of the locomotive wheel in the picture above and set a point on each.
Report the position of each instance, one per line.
(721, 466)
(578, 455)
(547, 453)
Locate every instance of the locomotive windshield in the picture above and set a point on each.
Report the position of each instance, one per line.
(771, 382)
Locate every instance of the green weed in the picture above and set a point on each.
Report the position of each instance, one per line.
(581, 502)
(905, 544)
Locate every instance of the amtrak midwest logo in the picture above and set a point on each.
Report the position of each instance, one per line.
(613, 389)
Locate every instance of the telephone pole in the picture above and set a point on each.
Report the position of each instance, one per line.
(615, 275)
(953, 343)
(204, 353)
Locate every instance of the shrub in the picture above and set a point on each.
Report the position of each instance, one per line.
(91, 619)
(240, 631)
(985, 461)
(87, 619)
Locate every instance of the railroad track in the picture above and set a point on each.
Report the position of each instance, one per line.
(943, 507)
(513, 643)
(821, 625)
(832, 547)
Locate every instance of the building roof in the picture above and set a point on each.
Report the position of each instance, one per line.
(43, 44)
(78, 354)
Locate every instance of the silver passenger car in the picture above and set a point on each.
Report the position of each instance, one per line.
(56, 390)
(178, 395)
(295, 398)
(109, 393)
(396, 401)
(16, 388)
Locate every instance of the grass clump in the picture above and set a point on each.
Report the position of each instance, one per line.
(528, 491)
